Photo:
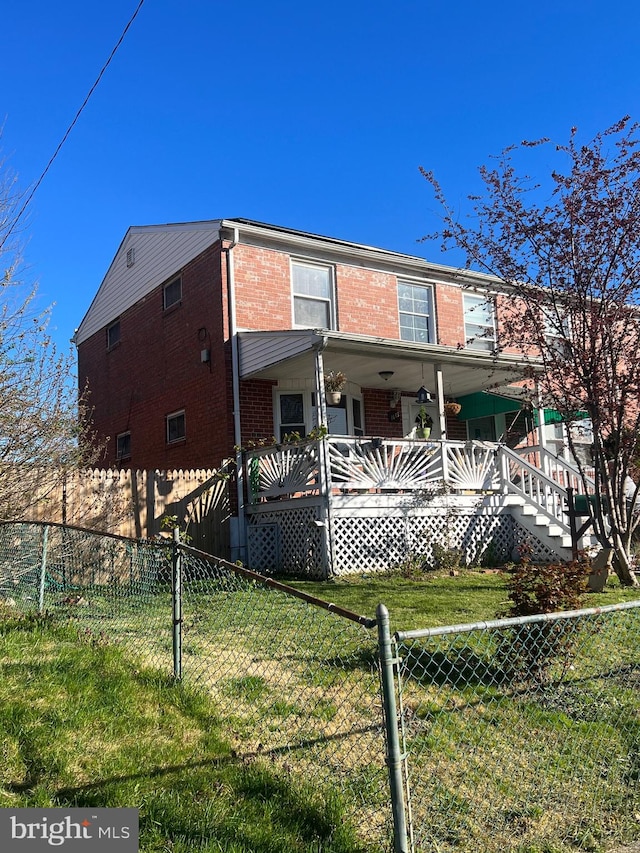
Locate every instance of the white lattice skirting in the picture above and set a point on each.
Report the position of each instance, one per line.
(291, 541)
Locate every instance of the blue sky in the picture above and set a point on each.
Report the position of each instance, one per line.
(311, 116)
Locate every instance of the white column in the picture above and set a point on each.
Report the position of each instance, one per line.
(439, 383)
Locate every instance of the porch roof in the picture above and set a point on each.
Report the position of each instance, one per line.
(289, 354)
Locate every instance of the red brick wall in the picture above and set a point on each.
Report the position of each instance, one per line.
(156, 369)
(367, 302)
(449, 315)
(256, 405)
(456, 429)
(263, 288)
(377, 405)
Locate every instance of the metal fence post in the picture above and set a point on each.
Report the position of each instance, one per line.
(394, 753)
(176, 598)
(43, 567)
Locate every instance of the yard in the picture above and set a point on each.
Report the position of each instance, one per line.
(274, 739)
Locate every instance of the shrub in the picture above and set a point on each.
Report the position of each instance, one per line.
(528, 651)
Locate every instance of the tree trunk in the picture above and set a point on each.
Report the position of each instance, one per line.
(622, 564)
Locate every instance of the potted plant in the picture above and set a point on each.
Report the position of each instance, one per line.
(334, 382)
(424, 422)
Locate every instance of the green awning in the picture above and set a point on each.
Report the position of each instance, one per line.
(482, 405)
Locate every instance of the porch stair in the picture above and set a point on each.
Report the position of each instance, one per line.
(550, 532)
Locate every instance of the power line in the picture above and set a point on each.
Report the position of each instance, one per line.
(70, 128)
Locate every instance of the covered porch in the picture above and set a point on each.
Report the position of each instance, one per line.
(384, 379)
(368, 494)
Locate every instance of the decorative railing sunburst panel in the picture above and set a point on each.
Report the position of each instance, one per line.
(288, 470)
(385, 464)
(472, 467)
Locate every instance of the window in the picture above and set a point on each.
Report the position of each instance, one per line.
(415, 303)
(479, 327)
(123, 445)
(557, 333)
(113, 334)
(172, 292)
(176, 427)
(312, 296)
(358, 428)
(291, 412)
(482, 429)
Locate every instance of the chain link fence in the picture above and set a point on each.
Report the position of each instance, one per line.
(523, 734)
(518, 735)
(294, 678)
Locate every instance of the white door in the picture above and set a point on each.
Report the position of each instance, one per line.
(410, 411)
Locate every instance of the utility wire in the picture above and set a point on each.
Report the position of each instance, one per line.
(70, 128)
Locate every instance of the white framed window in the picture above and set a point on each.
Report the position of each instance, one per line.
(313, 297)
(290, 414)
(479, 322)
(557, 331)
(172, 293)
(123, 445)
(415, 308)
(176, 427)
(113, 334)
(295, 411)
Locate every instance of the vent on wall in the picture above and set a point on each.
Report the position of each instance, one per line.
(131, 257)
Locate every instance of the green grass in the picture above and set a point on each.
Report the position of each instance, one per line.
(436, 599)
(80, 725)
(288, 714)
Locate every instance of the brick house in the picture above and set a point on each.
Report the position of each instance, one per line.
(207, 337)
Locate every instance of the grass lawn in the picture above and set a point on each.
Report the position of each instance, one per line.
(436, 599)
(80, 725)
(84, 723)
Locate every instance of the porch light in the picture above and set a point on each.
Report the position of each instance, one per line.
(385, 374)
(423, 396)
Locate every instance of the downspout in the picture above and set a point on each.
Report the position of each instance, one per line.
(241, 546)
(323, 457)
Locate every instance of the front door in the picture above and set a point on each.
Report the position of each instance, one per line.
(410, 411)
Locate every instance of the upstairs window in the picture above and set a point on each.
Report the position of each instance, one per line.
(123, 445)
(415, 304)
(113, 334)
(172, 293)
(479, 322)
(557, 332)
(312, 287)
(176, 427)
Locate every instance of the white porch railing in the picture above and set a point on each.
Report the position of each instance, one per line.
(400, 465)
(372, 465)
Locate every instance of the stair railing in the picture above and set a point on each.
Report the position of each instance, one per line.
(546, 493)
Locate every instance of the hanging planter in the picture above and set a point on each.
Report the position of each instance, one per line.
(452, 407)
(334, 382)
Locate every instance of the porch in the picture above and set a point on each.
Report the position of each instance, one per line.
(344, 504)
